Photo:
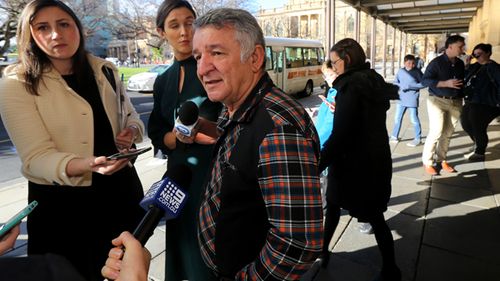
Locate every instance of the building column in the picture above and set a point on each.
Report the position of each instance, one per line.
(357, 24)
(384, 57)
(401, 55)
(373, 40)
(308, 30)
(393, 50)
(330, 23)
(426, 41)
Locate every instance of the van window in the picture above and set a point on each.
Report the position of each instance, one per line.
(270, 58)
(294, 57)
(311, 56)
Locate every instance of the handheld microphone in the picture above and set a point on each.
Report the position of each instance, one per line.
(164, 198)
(187, 119)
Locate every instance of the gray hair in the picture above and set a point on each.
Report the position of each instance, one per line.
(247, 30)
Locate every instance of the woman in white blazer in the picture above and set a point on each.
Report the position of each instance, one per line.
(64, 115)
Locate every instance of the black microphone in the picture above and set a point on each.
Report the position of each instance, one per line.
(187, 118)
(164, 198)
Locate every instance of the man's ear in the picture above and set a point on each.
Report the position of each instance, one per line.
(257, 58)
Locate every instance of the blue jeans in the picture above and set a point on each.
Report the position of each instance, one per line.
(398, 118)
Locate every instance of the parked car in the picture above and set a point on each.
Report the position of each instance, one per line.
(144, 81)
(116, 61)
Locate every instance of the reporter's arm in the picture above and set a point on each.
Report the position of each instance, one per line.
(79, 166)
(131, 264)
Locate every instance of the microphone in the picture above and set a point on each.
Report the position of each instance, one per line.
(164, 198)
(187, 119)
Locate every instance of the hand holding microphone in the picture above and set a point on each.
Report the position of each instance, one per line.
(166, 199)
(185, 127)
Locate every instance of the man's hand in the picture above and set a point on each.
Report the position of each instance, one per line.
(129, 264)
(450, 83)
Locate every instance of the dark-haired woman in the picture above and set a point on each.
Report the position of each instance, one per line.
(361, 142)
(61, 110)
(482, 101)
(174, 87)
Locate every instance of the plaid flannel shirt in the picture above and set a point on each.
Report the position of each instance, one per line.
(289, 183)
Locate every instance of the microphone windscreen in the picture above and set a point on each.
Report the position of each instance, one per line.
(188, 113)
(168, 193)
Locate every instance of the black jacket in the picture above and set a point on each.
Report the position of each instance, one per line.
(358, 153)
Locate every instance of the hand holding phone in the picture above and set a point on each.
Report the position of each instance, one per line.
(16, 219)
(128, 154)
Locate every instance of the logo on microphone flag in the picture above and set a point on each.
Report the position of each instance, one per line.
(167, 195)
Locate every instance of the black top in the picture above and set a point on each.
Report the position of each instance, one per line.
(441, 69)
(482, 84)
(104, 141)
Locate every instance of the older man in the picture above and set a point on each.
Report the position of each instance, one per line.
(261, 216)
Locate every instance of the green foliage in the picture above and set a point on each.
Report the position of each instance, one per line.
(157, 54)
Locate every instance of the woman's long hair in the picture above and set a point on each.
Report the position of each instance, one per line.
(32, 59)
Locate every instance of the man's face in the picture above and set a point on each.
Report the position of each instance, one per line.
(224, 76)
(456, 49)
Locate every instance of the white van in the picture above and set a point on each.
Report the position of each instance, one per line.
(294, 64)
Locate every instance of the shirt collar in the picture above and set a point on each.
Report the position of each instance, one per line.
(246, 111)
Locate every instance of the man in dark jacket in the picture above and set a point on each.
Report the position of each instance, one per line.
(444, 76)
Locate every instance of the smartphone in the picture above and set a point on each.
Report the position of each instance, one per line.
(128, 154)
(15, 220)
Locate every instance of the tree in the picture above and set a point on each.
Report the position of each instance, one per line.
(203, 6)
(9, 13)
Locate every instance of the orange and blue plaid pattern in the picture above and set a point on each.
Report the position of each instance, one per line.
(289, 182)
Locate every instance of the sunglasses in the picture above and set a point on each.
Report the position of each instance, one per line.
(476, 55)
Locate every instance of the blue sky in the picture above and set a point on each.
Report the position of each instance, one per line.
(268, 4)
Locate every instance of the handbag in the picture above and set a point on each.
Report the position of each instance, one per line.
(324, 120)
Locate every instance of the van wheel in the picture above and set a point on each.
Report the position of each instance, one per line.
(308, 90)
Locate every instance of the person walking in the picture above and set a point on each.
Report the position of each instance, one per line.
(482, 100)
(177, 85)
(408, 79)
(444, 76)
(359, 134)
(64, 116)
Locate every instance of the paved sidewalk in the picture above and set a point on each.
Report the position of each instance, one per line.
(445, 227)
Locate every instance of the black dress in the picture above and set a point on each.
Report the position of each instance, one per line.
(183, 258)
(79, 222)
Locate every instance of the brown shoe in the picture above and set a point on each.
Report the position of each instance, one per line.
(447, 167)
(430, 170)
